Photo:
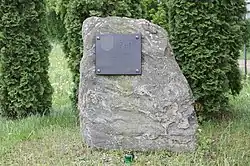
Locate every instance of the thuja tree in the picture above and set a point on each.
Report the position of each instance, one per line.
(206, 38)
(156, 11)
(55, 26)
(77, 12)
(24, 83)
(55, 12)
(247, 33)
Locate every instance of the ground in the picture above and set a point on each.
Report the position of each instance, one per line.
(56, 140)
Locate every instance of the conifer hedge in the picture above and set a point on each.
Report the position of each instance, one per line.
(24, 49)
(156, 11)
(206, 37)
(77, 12)
(55, 11)
(55, 26)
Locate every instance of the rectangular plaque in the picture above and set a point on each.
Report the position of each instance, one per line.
(118, 54)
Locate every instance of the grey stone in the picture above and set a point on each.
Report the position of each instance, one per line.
(153, 111)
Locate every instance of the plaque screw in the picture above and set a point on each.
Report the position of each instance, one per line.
(98, 70)
(137, 70)
(98, 38)
(137, 37)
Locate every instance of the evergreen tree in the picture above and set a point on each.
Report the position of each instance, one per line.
(24, 83)
(206, 37)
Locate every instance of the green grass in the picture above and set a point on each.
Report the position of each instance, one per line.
(56, 139)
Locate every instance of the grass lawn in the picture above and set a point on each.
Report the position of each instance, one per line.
(56, 140)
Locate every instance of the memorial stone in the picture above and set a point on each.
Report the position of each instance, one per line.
(142, 104)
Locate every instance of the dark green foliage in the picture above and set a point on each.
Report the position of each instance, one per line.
(55, 26)
(156, 12)
(160, 17)
(77, 12)
(149, 8)
(247, 34)
(56, 10)
(206, 38)
(24, 84)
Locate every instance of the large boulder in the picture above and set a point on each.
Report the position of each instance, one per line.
(152, 111)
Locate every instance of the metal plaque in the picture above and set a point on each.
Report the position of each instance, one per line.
(118, 54)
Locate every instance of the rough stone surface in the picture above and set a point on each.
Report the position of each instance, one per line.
(149, 112)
